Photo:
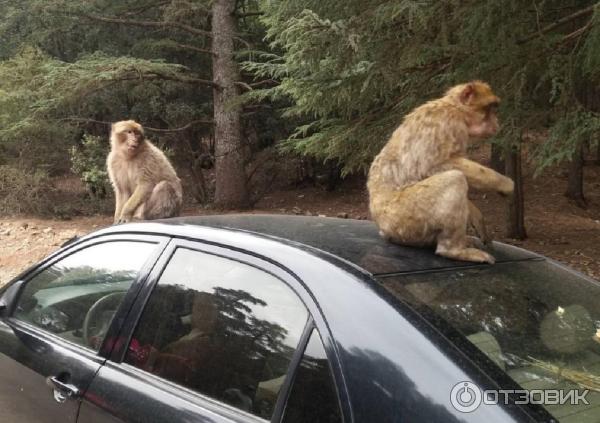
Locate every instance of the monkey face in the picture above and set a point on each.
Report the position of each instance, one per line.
(483, 104)
(129, 136)
(483, 124)
(131, 140)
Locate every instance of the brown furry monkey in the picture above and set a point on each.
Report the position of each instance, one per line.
(418, 183)
(146, 185)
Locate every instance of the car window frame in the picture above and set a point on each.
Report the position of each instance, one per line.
(105, 349)
(314, 321)
(287, 386)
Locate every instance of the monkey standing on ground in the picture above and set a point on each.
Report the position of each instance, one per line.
(418, 183)
(146, 185)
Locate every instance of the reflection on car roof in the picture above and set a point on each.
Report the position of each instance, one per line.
(356, 241)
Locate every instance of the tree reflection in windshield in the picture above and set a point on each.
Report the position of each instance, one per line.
(536, 321)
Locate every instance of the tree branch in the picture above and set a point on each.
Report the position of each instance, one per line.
(580, 13)
(157, 24)
(182, 128)
(243, 85)
(577, 33)
(264, 82)
(148, 24)
(250, 87)
(157, 76)
(247, 14)
(193, 48)
(137, 10)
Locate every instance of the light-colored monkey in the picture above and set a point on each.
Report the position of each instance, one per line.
(418, 183)
(145, 183)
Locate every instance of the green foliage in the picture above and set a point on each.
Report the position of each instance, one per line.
(89, 163)
(350, 69)
(565, 136)
(63, 73)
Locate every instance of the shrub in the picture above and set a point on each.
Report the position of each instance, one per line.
(88, 161)
(23, 191)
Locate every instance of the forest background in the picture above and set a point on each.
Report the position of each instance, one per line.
(280, 106)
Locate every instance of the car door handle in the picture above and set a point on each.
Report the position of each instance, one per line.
(68, 390)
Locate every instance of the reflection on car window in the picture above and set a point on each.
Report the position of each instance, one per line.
(313, 397)
(537, 322)
(221, 328)
(77, 296)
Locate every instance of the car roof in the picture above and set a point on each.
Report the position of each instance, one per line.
(356, 241)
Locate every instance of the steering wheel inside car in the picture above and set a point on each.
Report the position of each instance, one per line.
(95, 324)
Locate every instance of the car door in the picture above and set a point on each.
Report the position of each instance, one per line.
(215, 336)
(55, 322)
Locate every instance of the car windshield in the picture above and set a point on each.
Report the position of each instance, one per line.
(536, 321)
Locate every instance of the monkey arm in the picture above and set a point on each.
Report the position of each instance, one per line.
(481, 177)
(140, 195)
(118, 205)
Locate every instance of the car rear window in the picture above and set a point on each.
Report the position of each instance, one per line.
(538, 322)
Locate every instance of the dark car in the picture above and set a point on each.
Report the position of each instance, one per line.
(244, 318)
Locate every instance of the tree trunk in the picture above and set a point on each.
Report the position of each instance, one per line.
(497, 161)
(516, 205)
(334, 176)
(199, 189)
(231, 189)
(575, 183)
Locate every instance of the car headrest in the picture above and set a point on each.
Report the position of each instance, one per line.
(486, 342)
(567, 329)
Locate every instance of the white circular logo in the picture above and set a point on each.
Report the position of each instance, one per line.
(465, 397)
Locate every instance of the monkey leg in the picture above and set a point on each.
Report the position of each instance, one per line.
(452, 241)
(165, 201)
(432, 211)
(477, 222)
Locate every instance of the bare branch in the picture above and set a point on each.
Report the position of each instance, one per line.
(182, 128)
(101, 85)
(192, 48)
(149, 24)
(577, 33)
(580, 13)
(250, 87)
(160, 77)
(264, 82)
(247, 14)
(137, 10)
(243, 85)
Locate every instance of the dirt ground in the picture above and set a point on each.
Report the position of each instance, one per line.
(556, 227)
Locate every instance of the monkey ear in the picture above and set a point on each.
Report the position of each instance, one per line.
(467, 93)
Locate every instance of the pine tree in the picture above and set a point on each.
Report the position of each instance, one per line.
(67, 66)
(351, 69)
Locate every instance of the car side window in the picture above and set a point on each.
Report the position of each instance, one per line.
(222, 328)
(313, 396)
(77, 297)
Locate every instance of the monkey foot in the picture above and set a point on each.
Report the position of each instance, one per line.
(467, 254)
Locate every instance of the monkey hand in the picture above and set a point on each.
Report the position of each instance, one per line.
(124, 219)
(506, 187)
